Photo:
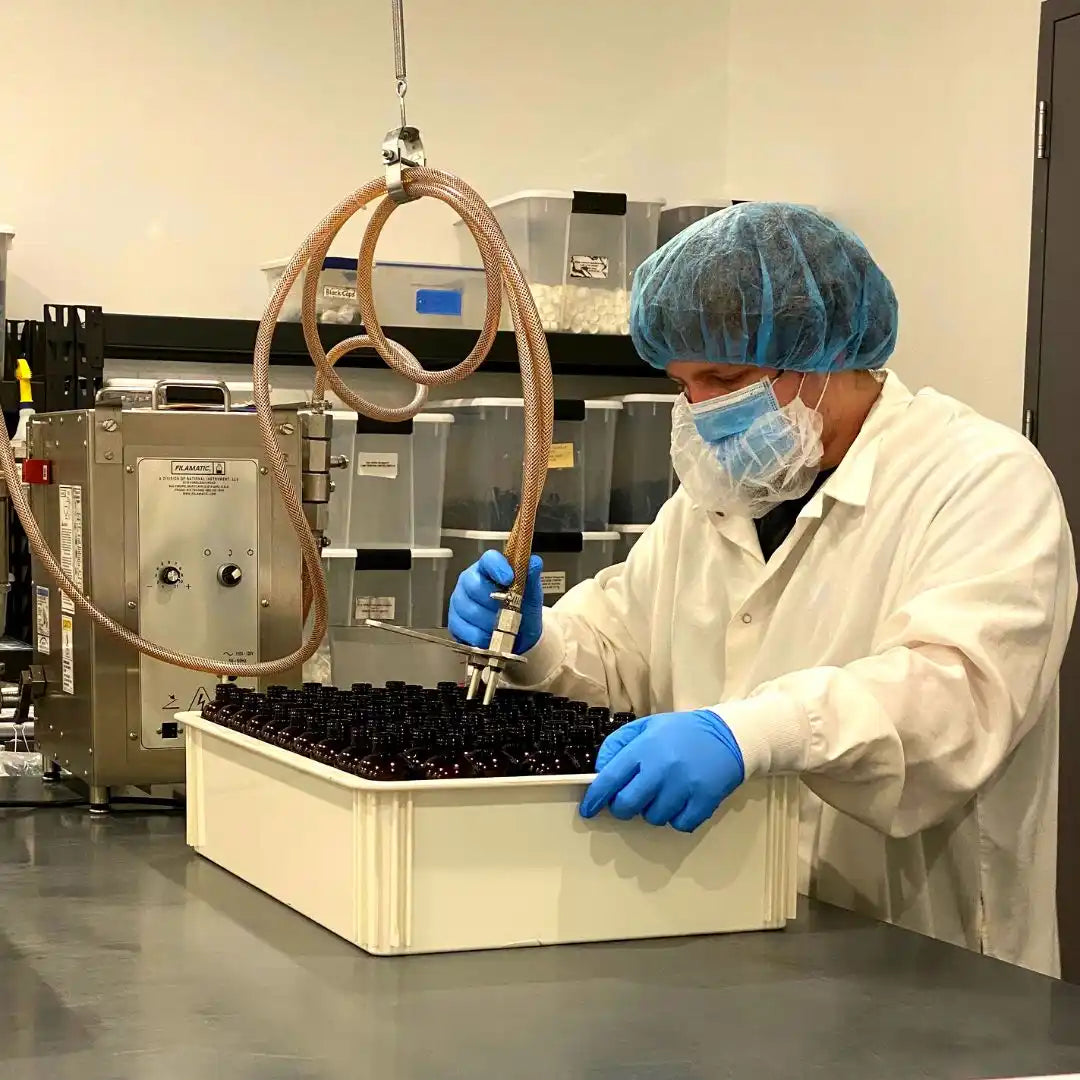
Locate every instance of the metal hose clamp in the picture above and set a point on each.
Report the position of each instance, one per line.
(402, 148)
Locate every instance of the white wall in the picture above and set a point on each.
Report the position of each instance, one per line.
(155, 152)
(911, 121)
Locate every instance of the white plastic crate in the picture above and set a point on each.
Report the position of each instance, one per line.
(568, 558)
(7, 233)
(578, 251)
(628, 535)
(642, 479)
(406, 587)
(601, 420)
(442, 866)
(431, 434)
(483, 466)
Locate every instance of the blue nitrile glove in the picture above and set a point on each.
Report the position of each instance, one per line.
(672, 768)
(473, 612)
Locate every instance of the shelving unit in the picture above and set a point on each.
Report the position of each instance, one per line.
(179, 339)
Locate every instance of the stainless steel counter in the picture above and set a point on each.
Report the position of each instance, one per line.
(124, 956)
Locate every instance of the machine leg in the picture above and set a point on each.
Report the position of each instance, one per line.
(50, 770)
(99, 799)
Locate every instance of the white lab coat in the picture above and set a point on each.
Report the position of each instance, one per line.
(900, 651)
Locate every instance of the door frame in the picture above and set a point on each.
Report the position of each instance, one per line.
(1053, 11)
(1068, 863)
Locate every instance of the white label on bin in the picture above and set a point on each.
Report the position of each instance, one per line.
(553, 582)
(41, 618)
(376, 607)
(67, 662)
(338, 292)
(382, 465)
(561, 456)
(589, 266)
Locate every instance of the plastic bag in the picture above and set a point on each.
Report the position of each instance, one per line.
(20, 763)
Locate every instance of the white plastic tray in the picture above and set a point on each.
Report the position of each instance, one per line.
(439, 866)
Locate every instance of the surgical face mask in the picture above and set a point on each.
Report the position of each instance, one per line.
(743, 452)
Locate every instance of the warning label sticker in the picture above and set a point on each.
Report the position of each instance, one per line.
(67, 654)
(41, 619)
(376, 607)
(553, 582)
(71, 540)
(382, 465)
(589, 266)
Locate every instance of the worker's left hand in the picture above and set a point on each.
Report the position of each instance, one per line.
(671, 768)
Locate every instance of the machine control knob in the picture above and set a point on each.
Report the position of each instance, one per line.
(170, 575)
(230, 575)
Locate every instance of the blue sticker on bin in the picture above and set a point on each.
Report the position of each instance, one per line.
(438, 302)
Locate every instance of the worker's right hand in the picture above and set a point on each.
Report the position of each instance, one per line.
(473, 612)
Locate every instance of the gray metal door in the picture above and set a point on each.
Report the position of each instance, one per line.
(1052, 383)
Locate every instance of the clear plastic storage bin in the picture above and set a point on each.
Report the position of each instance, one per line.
(431, 434)
(628, 535)
(381, 476)
(364, 654)
(601, 419)
(335, 300)
(673, 219)
(642, 479)
(6, 234)
(437, 866)
(578, 250)
(483, 466)
(404, 587)
(422, 294)
(568, 558)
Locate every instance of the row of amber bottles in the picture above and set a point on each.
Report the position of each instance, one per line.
(404, 732)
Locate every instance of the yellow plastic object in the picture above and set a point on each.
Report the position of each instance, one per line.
(22, 374)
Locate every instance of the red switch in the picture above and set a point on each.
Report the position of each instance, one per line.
(37, 471)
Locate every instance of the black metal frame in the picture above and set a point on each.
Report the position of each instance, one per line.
(180, 339)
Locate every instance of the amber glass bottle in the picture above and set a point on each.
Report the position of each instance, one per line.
(549, 757)
(314, 732)
(449, 761)
(385, 762)
(486, 756)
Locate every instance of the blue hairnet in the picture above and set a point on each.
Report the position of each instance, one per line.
(772, 284)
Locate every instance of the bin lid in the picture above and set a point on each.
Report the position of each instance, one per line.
(651, 399)
(432, 553)
(434, 418)
(331, 262)
(699, 204)
(339, 553)
(7, 231)
(428, 266)
(604, 403)
(548, 193)
(480, 402)
(417, 553)
(497, 537)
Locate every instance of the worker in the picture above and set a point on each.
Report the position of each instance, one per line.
(868, 587)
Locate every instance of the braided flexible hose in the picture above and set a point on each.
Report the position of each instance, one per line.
(502, 272)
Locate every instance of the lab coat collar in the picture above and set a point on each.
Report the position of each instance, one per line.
(850, 483)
